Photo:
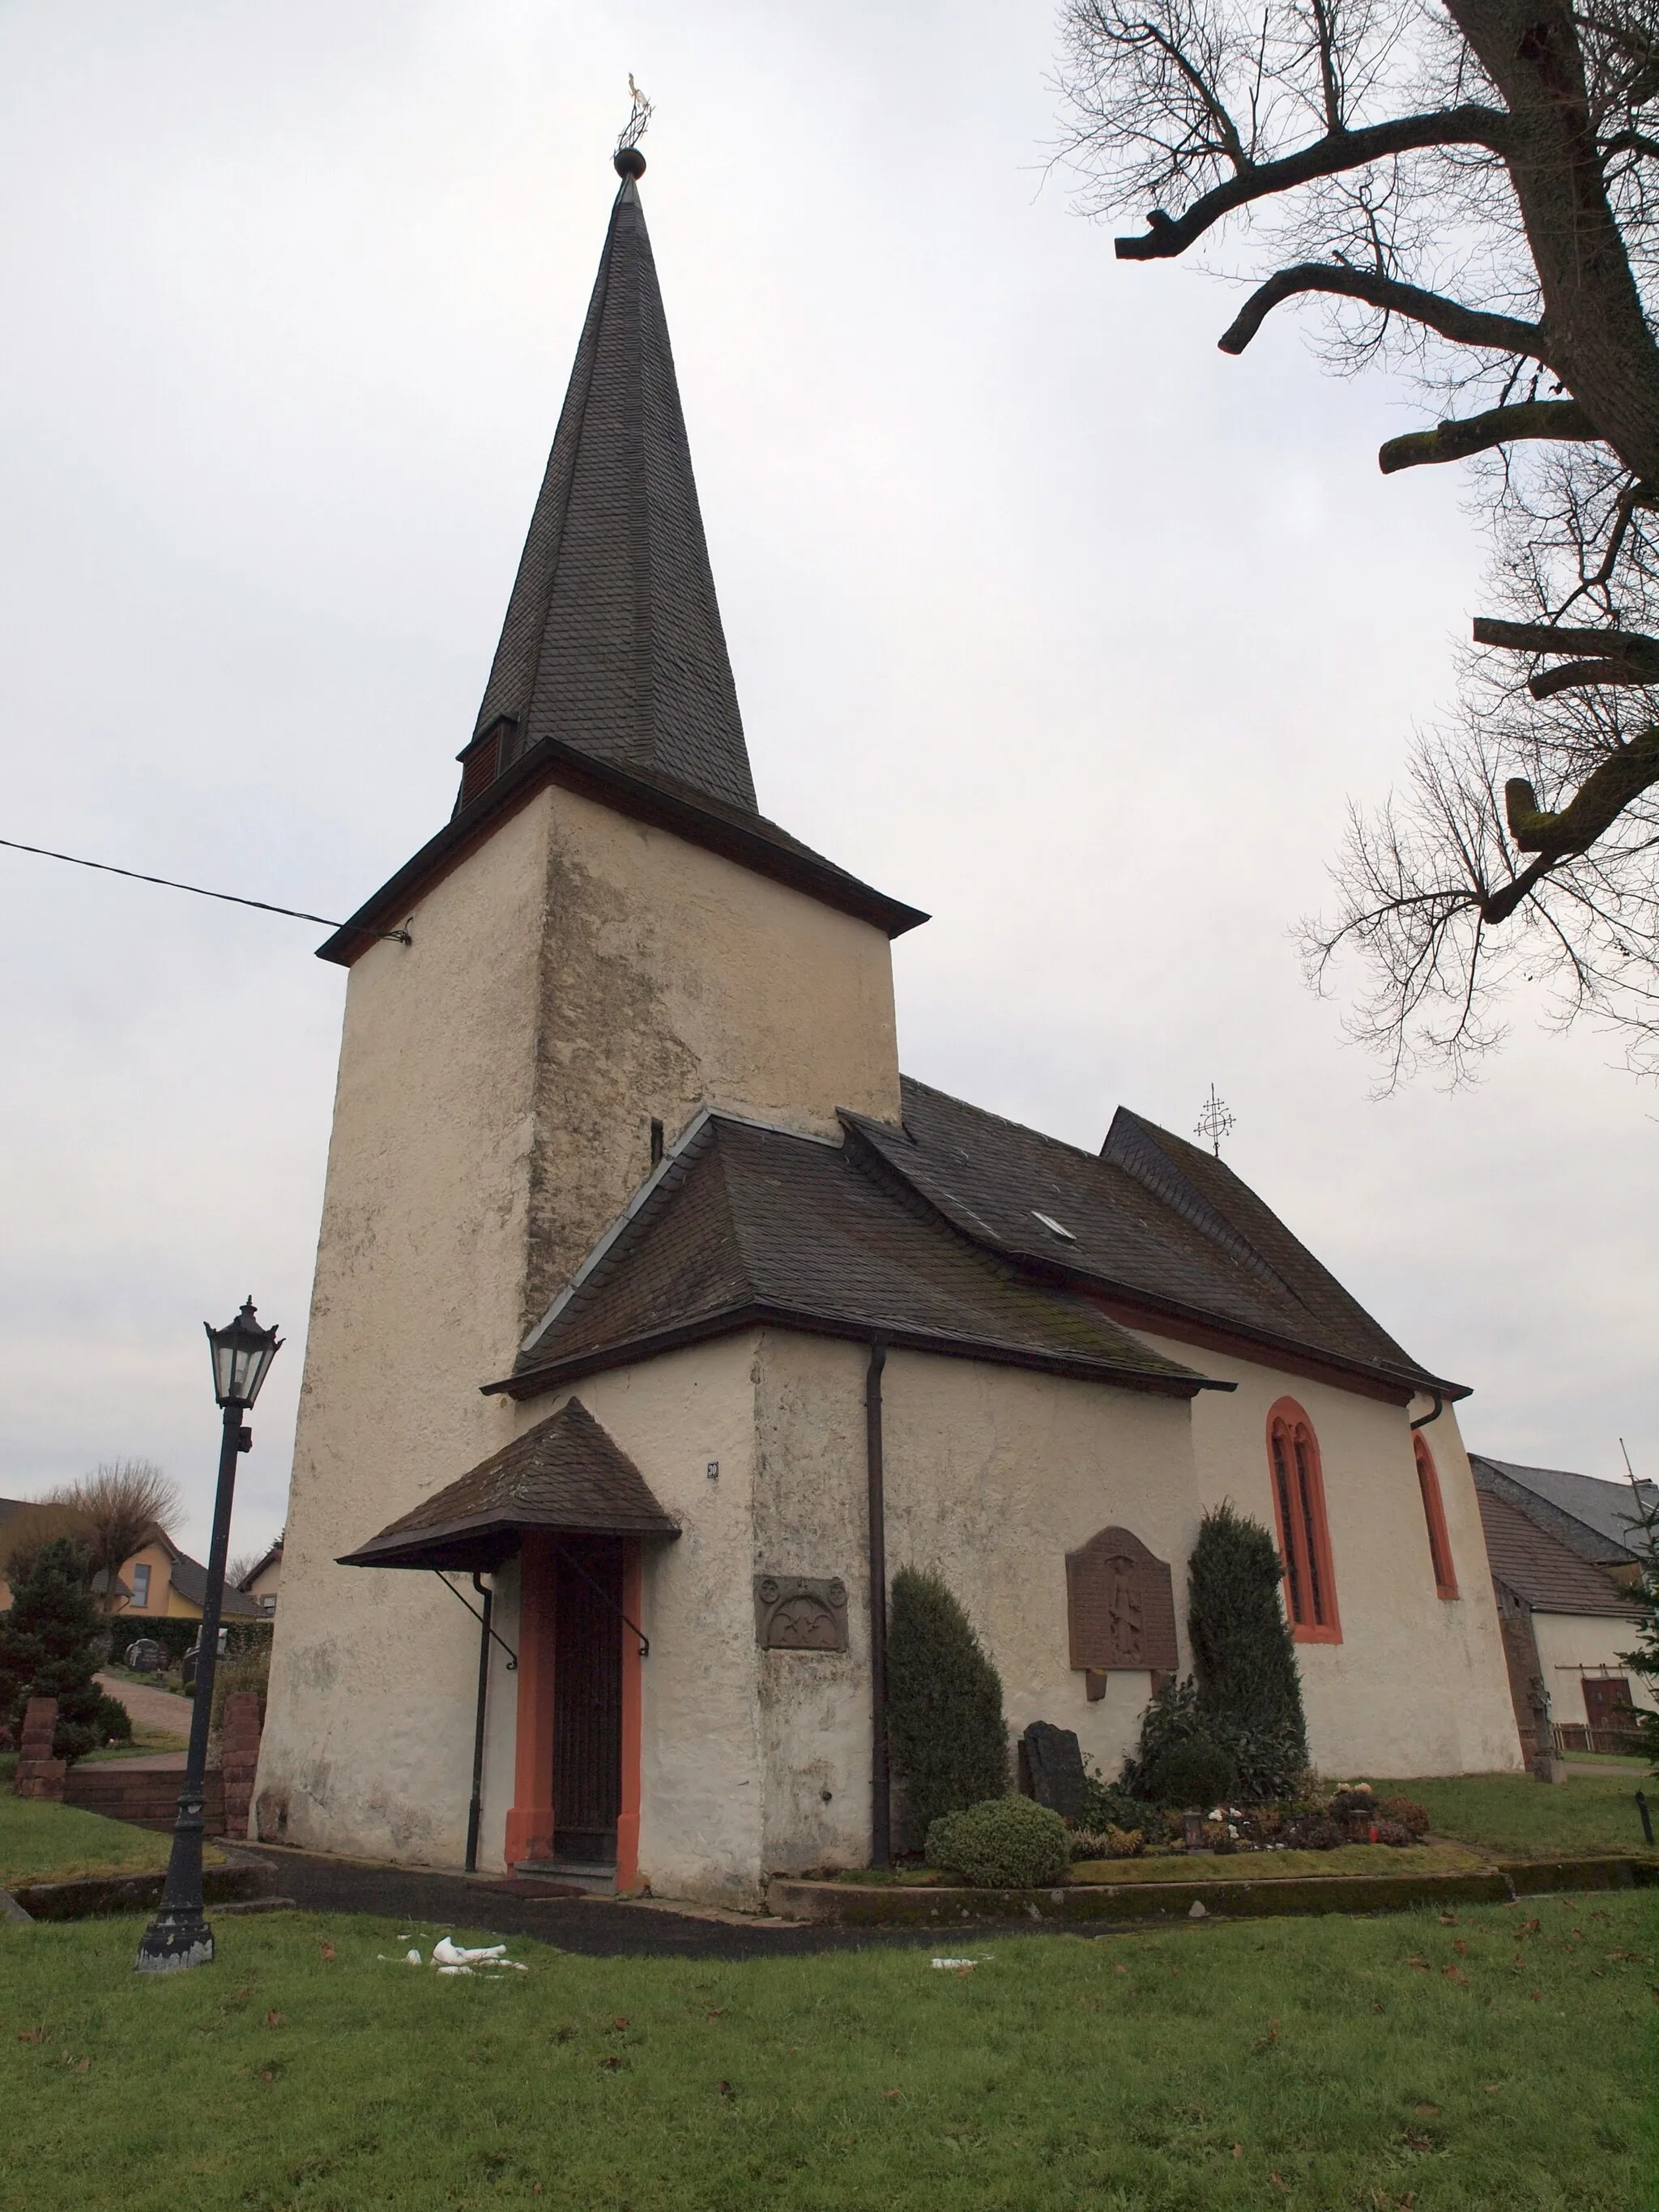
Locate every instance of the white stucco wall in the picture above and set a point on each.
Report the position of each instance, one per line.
(1417, 1684)
(1571, 1644)
(992, 1475)
(575, 977)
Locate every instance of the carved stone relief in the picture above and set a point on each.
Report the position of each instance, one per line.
(1120, 1603)
(798, 1612)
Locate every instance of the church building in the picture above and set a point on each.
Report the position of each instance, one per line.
(658, 1318)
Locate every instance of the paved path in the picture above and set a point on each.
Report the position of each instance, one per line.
(155, 1712)
(432, 1905)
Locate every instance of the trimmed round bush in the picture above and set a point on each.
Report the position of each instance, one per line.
(1195, 1770)
(1409, 1813)
(1007, 1843)
(111, 1723)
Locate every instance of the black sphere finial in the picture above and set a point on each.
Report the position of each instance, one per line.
(629, 162)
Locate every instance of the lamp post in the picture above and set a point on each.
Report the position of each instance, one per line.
(179, 1935)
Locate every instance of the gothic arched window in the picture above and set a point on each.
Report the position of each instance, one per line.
(1304, 1541)
(1445, 1574)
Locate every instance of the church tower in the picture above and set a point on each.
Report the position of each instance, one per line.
(606, 936)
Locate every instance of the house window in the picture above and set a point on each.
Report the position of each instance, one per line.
(140, 1588)
(1304, 1542)
(1445, 1575)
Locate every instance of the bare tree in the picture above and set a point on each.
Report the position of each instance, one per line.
(1471, 194)
(125, 1505)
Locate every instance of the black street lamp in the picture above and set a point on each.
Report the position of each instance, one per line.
(179, 1935)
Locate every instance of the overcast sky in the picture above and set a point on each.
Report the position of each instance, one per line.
(1045, 617)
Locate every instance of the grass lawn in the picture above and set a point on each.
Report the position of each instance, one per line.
(1489, 2059)
(41, 1842)
(1512, 1816)
(1266, 1866)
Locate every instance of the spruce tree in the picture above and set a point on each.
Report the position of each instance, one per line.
(945, 1727)
(1249, 1690)
(50, 1644)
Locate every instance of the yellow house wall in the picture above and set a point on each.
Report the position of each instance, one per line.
(576, 976)
(1569, 1644)
(1417, 1684)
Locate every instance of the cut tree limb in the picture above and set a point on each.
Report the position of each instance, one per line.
(1630, 649)
(1340, 151)
(1602, 797)
(1470, 327)
(1479, 433)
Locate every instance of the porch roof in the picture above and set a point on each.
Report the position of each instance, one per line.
(566, 1476)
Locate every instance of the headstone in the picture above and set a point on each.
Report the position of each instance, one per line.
(1054, 1761)
(144, 1657)
(39, 1774)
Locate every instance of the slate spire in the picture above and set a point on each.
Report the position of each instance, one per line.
(612, 643)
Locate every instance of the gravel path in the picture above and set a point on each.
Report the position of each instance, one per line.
(155, 1712)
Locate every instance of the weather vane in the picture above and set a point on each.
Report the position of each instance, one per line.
(638, 122)
(1214, 1121)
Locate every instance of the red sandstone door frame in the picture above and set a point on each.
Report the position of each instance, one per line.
(530, 1824)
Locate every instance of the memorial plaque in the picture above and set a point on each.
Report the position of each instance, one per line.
(1120, 1603)
(800, 1613)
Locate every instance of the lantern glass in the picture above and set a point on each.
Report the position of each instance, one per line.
(242, 1353)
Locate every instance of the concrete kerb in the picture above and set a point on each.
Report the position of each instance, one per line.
(12, 1911)
(240, 1882)
(855, 1904)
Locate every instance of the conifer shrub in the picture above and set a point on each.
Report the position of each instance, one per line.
(1249, 1690)
(945, 1733)
(1007, 1843)
(49, 1644)
(1179, 1759)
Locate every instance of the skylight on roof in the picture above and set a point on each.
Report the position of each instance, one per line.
(1054, 1228)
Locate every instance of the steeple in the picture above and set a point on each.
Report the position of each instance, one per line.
(612, 643)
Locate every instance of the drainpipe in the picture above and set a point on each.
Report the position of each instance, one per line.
(477, 1805)
(881, 1833)
(1439, 1398)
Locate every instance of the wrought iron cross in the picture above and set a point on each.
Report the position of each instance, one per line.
(1214, 1121)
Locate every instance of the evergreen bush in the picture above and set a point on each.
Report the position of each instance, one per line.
(49, 1642)
(1180, 1760)
(1249, 1690)
(111, 1723)
(1007, 1843)
(944, 1727)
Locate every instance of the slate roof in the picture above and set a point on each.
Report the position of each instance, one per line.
(189, 1579)
(1153, 1221)
(1543, 1572)
(567, 1473)
(613, 642)
(744, 1226)
(1595, 1518)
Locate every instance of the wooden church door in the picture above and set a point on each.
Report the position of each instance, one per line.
(587, 1686)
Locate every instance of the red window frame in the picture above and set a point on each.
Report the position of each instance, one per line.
(1298, 1483)
(1434, 1512)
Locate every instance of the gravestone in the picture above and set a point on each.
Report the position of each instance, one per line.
(1120, 1604)
(145, 1656)
(1054, 1759)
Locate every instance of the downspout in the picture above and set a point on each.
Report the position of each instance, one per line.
(477, 1805)
(881, 1834)
(1439, 1398)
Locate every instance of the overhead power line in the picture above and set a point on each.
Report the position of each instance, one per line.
(230, 898)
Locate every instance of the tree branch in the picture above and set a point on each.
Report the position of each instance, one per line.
(1477, 434)
(1629, 648)
(1471, 326)
(1602, 797)
(1468, 125)
(1587, 675)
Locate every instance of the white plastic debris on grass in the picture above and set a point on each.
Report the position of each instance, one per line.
(961, 1965)
(446, 1952)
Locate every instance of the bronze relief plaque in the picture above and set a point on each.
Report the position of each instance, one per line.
(800, 1613)
(1120, 1604)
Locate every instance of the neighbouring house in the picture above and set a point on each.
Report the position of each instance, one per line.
(657, 1318)
(160, 1581)
(263, 1580)
(1560, 1550)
